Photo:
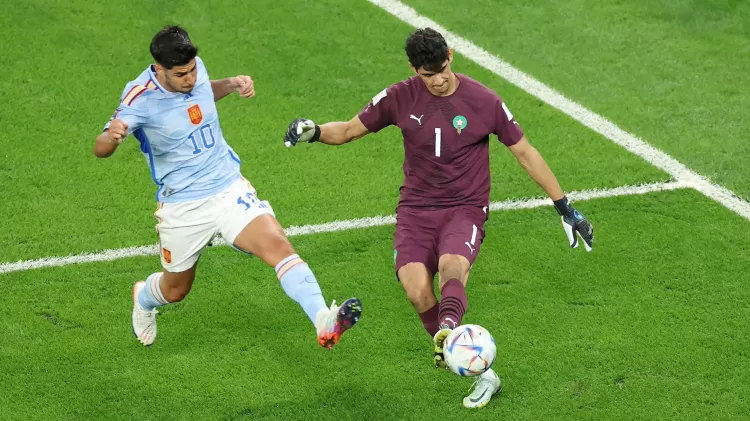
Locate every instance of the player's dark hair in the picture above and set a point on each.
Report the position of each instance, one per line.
(426, 48)
(172, 47)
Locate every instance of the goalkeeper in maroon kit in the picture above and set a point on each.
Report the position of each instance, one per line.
(446, 120)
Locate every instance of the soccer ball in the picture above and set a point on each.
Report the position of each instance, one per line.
(469, 350)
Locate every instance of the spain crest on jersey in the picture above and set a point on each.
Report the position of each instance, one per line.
(167, 255)
(195, 113)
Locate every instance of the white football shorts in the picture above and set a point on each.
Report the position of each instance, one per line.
(186, 228)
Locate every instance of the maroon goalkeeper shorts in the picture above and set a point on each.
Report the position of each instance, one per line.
(422, 236)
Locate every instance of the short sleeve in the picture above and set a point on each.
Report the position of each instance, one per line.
(506, 127)
(202, 76)
(379, 112)
(132, 109)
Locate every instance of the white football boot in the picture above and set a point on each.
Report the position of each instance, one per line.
(144, 321)
(487, 385)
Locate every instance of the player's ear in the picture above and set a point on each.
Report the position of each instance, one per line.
(450, 55)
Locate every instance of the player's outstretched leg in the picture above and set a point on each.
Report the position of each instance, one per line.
(147, 296)
(299, 283)
(262, 236)
(487, 385)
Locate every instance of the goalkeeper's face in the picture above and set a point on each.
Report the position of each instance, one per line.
(437, 77)
(180, 78)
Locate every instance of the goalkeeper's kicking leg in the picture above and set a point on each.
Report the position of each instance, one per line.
(446, 242)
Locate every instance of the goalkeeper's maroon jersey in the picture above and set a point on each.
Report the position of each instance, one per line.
(446, 139)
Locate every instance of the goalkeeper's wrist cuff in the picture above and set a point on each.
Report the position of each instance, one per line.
(562, 206)
(316, 135)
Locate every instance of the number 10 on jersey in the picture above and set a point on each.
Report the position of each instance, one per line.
(207, 136)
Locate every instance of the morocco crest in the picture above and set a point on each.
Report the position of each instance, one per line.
(460, 123)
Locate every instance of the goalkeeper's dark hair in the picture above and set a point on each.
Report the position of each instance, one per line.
(172, 47)
(426, 48)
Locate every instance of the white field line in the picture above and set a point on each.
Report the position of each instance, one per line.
(351, 224)
(588, 118)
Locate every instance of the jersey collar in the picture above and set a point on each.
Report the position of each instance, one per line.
(152, 75)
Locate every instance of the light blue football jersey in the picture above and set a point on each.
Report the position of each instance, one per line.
(180, 136)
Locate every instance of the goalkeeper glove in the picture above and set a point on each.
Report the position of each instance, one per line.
(301, 130)
(575, 225)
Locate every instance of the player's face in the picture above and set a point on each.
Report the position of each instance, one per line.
(439, 82)
(180, 78)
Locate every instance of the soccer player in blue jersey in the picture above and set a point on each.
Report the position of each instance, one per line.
(169, 109)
